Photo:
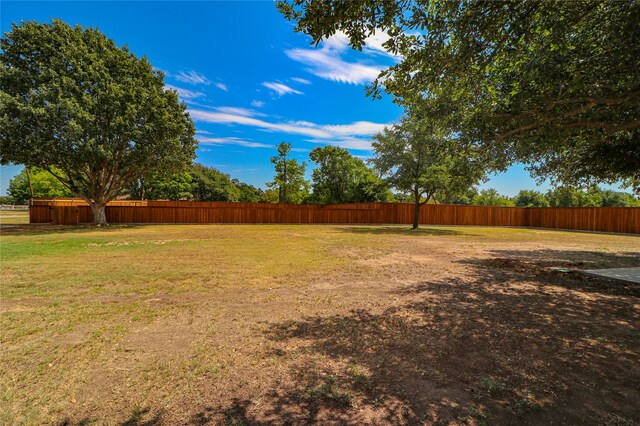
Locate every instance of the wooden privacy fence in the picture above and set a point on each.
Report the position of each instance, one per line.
(605, 219)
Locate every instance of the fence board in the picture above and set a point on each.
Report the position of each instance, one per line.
(606, 219)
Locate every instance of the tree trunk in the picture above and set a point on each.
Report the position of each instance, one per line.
(416, 213)
(284, 183)
(26, 169)
(99, 215)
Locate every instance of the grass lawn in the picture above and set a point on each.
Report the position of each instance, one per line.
(14, 217)
(253, 324)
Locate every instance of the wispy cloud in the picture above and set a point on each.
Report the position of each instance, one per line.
(361, 144)
(225, 118)
(238, 110)
(192, 77)
(257, 104)
(300, 80)
(357, 128)
(205, 140)
(354, 135)
(374, 44)
(281, 89)
(222, 86)
(328, 61)
(184, 93)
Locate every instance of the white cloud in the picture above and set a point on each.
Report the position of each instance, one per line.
(257, 104)
(232, 141)
(374, 44)
(184, 93)
(281, 89)
(225, 118)
(328, 62)
(346, 142)
(353, 135)
(222, 86)
(192, 77)
(239, 111)
(300, 80)
(359, 128)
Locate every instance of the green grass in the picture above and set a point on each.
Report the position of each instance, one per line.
(143, 260)
(96, 283)
(14, 217)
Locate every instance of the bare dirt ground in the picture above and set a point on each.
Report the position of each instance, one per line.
(257, 325)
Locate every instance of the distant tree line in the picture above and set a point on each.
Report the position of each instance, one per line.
(339, 177)
(563, 196)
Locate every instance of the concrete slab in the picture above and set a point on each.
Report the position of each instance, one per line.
(623, 274)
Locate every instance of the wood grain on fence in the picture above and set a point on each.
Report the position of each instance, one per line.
(605, 219)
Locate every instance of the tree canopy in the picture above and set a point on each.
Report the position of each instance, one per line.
(248, 193)
(197, 183)
(44, 184)
(565, 196)
(159, 186)
(73, 101)
(418, 158)
(342, 178)
(210, 184)
(491, 197)
(289, 179)
(555, 85)
(530, 198)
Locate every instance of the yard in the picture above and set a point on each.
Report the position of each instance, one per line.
(14, 217)
(253, 324)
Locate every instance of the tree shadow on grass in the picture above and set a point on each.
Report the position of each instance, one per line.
(505, 346)
(139, 417)
(45, 229)
(400, 230)
(578, 259)
(558, 268)
(143, 417)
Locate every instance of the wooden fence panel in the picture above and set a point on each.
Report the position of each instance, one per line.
(607, 219)
(40, 214)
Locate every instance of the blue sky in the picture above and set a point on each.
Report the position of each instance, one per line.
(250, 82)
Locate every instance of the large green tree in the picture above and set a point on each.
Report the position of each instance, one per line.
(554, 84)
(44, 184)
(566, 196)
(462, 198)
(611, 198)
(156, 186)
(491, 197)
(248, 193)
(289, 179)
(72, 100)
(531, 198)
(342, 178)
(418, 158)
(210, 184)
